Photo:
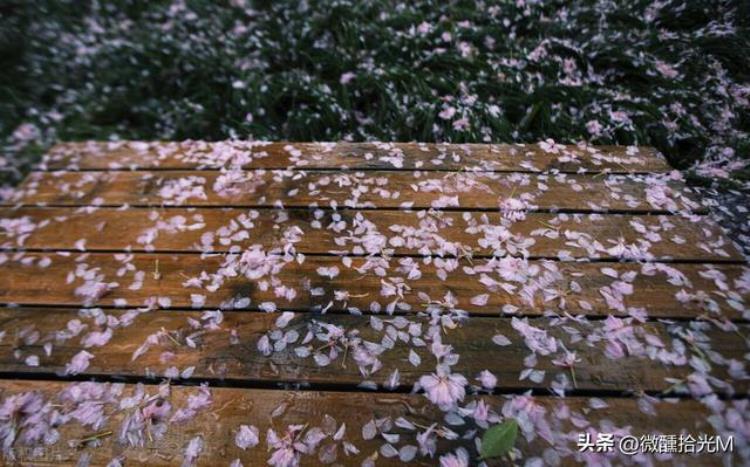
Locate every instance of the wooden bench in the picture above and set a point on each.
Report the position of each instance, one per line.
(588, 281)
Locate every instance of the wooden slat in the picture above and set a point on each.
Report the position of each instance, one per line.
(34, 285)
(230, 350)
(538, 235)
(360, 190)
(218, 424)
(496, 157)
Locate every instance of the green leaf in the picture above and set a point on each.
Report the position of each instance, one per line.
(499, 439)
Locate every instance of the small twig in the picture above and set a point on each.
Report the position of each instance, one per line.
(346, 351)
(157, 274)
(94, 437)
(672, 387)
(549, 226)
(573, 375)
(169, 335)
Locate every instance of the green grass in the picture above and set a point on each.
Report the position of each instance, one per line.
(199, 69)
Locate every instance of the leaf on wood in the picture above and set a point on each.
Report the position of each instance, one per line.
(499, 439)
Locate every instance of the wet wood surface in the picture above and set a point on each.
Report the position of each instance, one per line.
(279, 155)
(217, 424)
(417, 233)
(229, 352)
(311, 282)
(138, 279)
(357, 189)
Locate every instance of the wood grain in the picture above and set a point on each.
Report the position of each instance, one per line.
(218, 423)
(229, 351)
(161, 235)
(360, 190)
(695, 238)
(23, 281)
(280, 155)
